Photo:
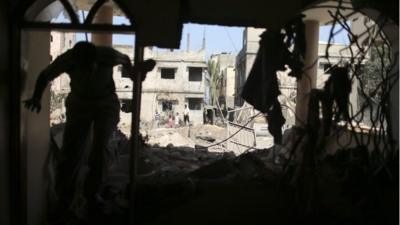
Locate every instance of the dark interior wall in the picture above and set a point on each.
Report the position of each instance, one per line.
(35, 128)
(4, 125)
(4, 97)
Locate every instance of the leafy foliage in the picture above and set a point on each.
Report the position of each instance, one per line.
(374, 71)
(214, 71)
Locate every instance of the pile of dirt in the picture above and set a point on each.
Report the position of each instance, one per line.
(177, 184)
(168, 136)
(207, 130)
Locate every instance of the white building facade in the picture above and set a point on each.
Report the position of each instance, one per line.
(178, 79)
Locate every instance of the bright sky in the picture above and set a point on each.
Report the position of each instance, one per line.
(218, 38)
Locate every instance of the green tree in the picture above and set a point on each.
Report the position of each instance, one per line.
(214, 71)
(376, 69)
(374, 83)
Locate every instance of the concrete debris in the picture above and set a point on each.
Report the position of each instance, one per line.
(163, 137)
(206, 137)
(175, 178)
(188, 136)
(244, 167)
(177, 160)
(214, 131)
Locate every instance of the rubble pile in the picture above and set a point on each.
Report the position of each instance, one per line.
(209, 135)
(220, 188)
(163, 137)
(164, 161)
(208, 130)
(180, 159)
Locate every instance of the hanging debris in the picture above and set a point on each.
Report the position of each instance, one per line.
(336, 91)
(261, 88)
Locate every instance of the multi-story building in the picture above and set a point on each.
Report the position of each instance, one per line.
(178, 79)
(59, 43)
(337, 53)
(247, 55)
(245, 59)
(226, 85)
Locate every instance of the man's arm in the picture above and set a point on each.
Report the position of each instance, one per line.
(60, 65)
(114, 57)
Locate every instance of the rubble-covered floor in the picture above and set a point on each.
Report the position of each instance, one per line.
(184, 185)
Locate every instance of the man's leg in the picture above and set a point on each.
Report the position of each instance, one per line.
(105, 123)
(186, 119)
(75, 137)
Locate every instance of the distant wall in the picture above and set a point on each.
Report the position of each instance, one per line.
(157, 89)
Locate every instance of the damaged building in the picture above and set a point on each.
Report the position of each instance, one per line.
(59, 43)
(326, 169)
(226, 85)
(176, 81)
(338, 52)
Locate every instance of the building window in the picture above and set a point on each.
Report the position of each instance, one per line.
(195, 103)
(168, 73)
(195, 73)
(166, 105)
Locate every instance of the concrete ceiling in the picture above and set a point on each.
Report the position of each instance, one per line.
(232, 16)
(160, 21)
(86, 5)
(320, 11)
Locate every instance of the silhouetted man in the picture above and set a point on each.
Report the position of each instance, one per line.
(91, 102)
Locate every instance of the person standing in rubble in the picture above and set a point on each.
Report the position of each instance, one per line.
(157, 119)
(186, 115)
(177, 120)
(170, 121)
(92, 102)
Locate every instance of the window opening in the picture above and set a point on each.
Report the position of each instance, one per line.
(195, 103)
(168, 73)
(195, 74)
(167, 105)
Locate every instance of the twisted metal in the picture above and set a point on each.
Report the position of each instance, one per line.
(369, 121)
